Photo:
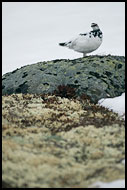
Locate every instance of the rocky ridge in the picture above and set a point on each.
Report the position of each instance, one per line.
(96, 76)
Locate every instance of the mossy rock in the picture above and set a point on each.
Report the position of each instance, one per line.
(96, 76)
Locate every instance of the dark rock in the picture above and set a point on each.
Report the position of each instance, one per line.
(96, 76)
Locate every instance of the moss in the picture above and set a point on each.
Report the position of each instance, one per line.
(53, 142)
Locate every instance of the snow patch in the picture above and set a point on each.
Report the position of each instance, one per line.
(114, 184)
(116, 104)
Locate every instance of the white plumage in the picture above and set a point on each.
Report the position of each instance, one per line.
(86, 42)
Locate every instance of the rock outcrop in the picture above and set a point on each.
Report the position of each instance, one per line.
(96, 76)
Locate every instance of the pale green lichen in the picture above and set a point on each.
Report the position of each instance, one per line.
(103, 74)
(53, 142)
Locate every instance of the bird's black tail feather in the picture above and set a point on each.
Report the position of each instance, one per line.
(62, 44)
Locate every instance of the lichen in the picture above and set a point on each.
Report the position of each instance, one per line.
(54, 142)
(95, 76)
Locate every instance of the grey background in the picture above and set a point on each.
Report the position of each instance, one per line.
(31, 31)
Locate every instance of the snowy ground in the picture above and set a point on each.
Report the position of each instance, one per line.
(116, 104)
(114, 184)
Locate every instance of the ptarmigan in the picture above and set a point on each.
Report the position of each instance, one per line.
(87, 42)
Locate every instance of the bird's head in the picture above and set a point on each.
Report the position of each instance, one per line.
(94, 26)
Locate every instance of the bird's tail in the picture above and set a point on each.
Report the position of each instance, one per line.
(62, 44)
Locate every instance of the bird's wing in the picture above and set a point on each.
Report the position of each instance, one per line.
(79, 40)
(74, 40)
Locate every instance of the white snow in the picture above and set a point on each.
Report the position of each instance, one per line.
(115, 184)
(116, 104)
(123, 161)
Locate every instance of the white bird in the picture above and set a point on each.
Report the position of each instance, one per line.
(87, 42)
